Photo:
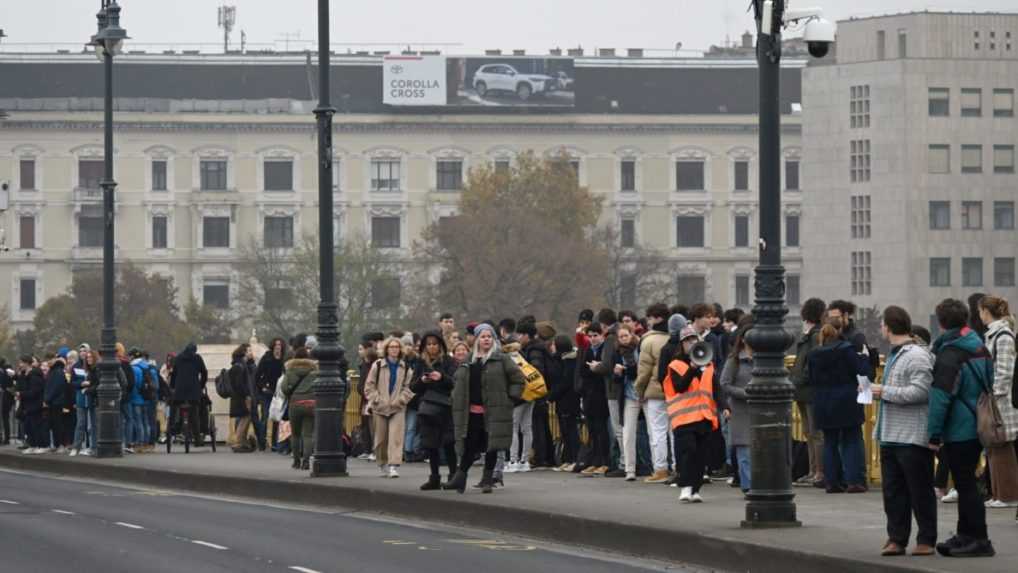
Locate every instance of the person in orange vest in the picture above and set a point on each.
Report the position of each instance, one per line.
(693, 408)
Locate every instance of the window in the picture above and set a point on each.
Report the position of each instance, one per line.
(1003, 102)
(385, 174)
(791, 230)
(90, 173)
(972, 272)
(971, 102)
(159, 175)
(27, 294)
(216, 232)
(792, 175)
(690, 230)
(902, 44)
(575, 164)
(27, 175)
(860, 160)
(213, 174)
(385, 232)
(972, 215)
(1003, 159)
(628, 175)
(971, 158)
(691, 289)
(940, 272)
(940, 215)
(502, 166)
(627, 290)
(1003, 215)
(385, 293)
(742, 290)
(278, 232)
(862, 273)
(450, 175)
(216, 295)
(689, 175)
(26, 228)
(792, 292)
(628, 238)
(741, 176)
(940, 102)
(859, 106)
(279, 175)
(1003, 272)
(938, 159)
(881, 47)
(861, 217)
(160, 239)
(90, 226)
(742, 230)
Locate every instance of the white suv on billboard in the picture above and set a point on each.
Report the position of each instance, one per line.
(505, 78)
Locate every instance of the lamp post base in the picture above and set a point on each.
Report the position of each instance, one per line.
(770, 515)
(329, 466)
(109, 451)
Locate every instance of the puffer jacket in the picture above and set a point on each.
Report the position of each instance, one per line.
(299, 377)
(502, 382)
(648, 382)
(962, 370)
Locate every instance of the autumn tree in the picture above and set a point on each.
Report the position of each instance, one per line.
(637, 275)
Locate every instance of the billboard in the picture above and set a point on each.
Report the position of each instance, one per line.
(511, 82)
(414, 80)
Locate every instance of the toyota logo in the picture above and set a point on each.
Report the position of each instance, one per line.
(397, 69)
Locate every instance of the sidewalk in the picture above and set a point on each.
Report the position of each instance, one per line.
(840, 533)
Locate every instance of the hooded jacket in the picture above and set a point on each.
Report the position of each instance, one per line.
(79, 374)
(799, 374)
(963, 369)
(139, 367)
(502, 383)
(562, 388)
(299, 379)
(32, 386)
(56, 386)
(440, 391)
(189, 375)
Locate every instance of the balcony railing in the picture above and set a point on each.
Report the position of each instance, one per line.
(87, 195)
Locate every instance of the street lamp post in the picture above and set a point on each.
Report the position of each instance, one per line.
(107, 42)
(330, 389)
(770, 499)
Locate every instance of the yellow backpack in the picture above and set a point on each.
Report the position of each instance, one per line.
(535, 388)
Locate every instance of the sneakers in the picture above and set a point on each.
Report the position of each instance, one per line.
(512, 467)
(804, 481)
(616, 473)
(686, 496)
(630, 476)
(601, 471)
(72, 453)
(695, 498)
(523, 467)
(997, 504)
(589, 471)
(365, 456)
(393, 472)
(86, 452)
(950, 497)
(659, 476)
(959, 546)
(383, 471)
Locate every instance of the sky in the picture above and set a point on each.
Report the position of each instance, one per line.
(462, 26)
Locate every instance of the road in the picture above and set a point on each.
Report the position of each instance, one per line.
(61, 524)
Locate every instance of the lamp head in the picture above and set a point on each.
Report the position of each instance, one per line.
(110, 36)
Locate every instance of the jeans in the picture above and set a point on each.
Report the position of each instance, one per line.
(411, 441)
(615, 429)
(153, 422)
(630, 424)
(260, 418)
(126, 415)
(844, 446)
(745, 469)
(906, 477)
(84, 429)
(140, 416)
(658, 429)
(962, 458)
(523, 419)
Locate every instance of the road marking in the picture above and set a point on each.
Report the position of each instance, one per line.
(128, 525)
(398, 542)
(62, 512)
(303, 569)
(207, 544)
(9, 502)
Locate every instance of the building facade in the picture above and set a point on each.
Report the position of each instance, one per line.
(217, 152)
(909, 157)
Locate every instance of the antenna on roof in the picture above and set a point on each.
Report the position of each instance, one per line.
(227, 19)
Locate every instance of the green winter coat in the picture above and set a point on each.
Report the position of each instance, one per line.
(295, 369)
(501, 382)
(963, 368)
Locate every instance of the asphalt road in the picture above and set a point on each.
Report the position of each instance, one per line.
(61, 524)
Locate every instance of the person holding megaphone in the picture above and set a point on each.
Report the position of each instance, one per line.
(693, 403)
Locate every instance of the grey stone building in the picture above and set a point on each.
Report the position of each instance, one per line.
(909, 158)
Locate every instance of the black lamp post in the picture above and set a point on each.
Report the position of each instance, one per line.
(770, 393)
(109, 431)
(330, 389)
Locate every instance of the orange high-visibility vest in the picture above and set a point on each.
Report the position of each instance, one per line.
(696, 403)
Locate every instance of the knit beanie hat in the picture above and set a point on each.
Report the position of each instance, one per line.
(676, 323)
(484, 326)
(546, 330)
(688, 332)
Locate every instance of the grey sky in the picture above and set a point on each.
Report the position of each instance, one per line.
(535, 25)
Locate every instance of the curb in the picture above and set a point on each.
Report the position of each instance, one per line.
(728, 554)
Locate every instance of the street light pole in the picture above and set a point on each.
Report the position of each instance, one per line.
(330, 388)
(770, 393)
(109, 430)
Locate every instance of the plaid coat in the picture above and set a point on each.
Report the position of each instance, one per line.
(904, 404)
(1001, 342)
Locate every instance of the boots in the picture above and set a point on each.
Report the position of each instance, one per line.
(446, 484)
(434, 482)
(458, 482)
(296, 464)
(486, 482)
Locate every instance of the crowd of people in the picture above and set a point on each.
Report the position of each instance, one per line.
(662, 396)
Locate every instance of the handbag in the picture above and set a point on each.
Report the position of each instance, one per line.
(534, 388)
(989, 422)
(432, 410)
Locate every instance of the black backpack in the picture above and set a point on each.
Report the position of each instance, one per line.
(223, 384)
(149, 387)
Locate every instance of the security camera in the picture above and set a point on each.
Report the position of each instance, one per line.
(818, 32)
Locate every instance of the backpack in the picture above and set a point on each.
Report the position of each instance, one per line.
(989, 422)
(149, 387)
(535, 387)
(1014, 371)
(223, 384)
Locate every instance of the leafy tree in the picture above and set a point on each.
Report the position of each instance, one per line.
(636, 276)
(207, 324)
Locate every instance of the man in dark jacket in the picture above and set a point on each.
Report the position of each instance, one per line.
(562, 392)
(812, 315)
(6, 402)
(606, 368)
(31, 385)
(55, 400)
(187, 381)
(240, 398)
(535, 351)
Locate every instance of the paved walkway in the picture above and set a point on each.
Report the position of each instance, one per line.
(839, 533)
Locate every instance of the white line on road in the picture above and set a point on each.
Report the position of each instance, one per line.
(62, 512)
(9, 502)
(207, 544)
(303, 569)
(128, 525)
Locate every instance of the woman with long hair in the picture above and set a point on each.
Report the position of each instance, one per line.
(433, 383)
(387, 391)
(995, 313)
(270, 369)
(301, 373)
(627, 357)
(735, 377)
(482, 406)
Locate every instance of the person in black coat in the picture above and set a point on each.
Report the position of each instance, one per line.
(240, 397)
(432, 382)
(31, 384)
(535, 351)
(55, 400)
(189, 375)
(6, 402)
(562, 393)
(594, 393)
(270, 369)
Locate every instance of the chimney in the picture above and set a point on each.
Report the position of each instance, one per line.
(575, 52)
(635, 52)
(747, 40)
(555, 52)
(492, 52)
(606, 52)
